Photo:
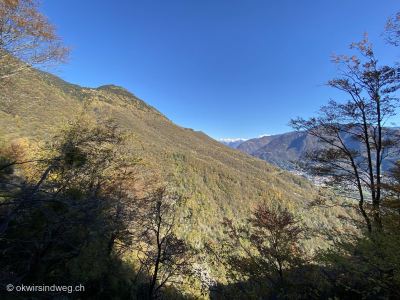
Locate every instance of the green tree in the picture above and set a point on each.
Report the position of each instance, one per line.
(162, 255)
(362, 262)
(263, 258)
(51, 220)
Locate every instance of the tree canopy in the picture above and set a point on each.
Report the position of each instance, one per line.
(27, 39)
(364, 117)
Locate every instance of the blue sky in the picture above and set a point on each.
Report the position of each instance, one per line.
(228, 68)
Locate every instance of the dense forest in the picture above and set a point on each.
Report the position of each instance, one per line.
(103, 197)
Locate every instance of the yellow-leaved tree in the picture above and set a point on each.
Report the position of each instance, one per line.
(27, 39)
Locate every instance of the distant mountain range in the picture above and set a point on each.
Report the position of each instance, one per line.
(234, 143)
(282, 149)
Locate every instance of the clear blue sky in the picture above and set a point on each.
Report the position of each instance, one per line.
(228, 68)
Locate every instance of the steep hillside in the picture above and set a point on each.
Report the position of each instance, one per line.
(218, 180)
(285, 148)
(255, 144)
(280, 149)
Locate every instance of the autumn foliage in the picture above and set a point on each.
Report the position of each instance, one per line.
(27, 39)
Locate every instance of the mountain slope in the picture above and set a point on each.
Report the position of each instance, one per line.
(218, 181)
(285, 148)
(255, 144)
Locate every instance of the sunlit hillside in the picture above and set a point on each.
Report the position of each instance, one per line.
(218, 181)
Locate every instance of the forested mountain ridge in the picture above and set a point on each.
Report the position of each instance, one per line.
(218, 180)
(103, 197)
(215, 180)
(281, 149)
(252, 145)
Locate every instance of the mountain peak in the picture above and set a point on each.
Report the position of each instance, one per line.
(232, 140)
(234, 143)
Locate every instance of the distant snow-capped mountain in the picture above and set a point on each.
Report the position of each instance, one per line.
(234, 143)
